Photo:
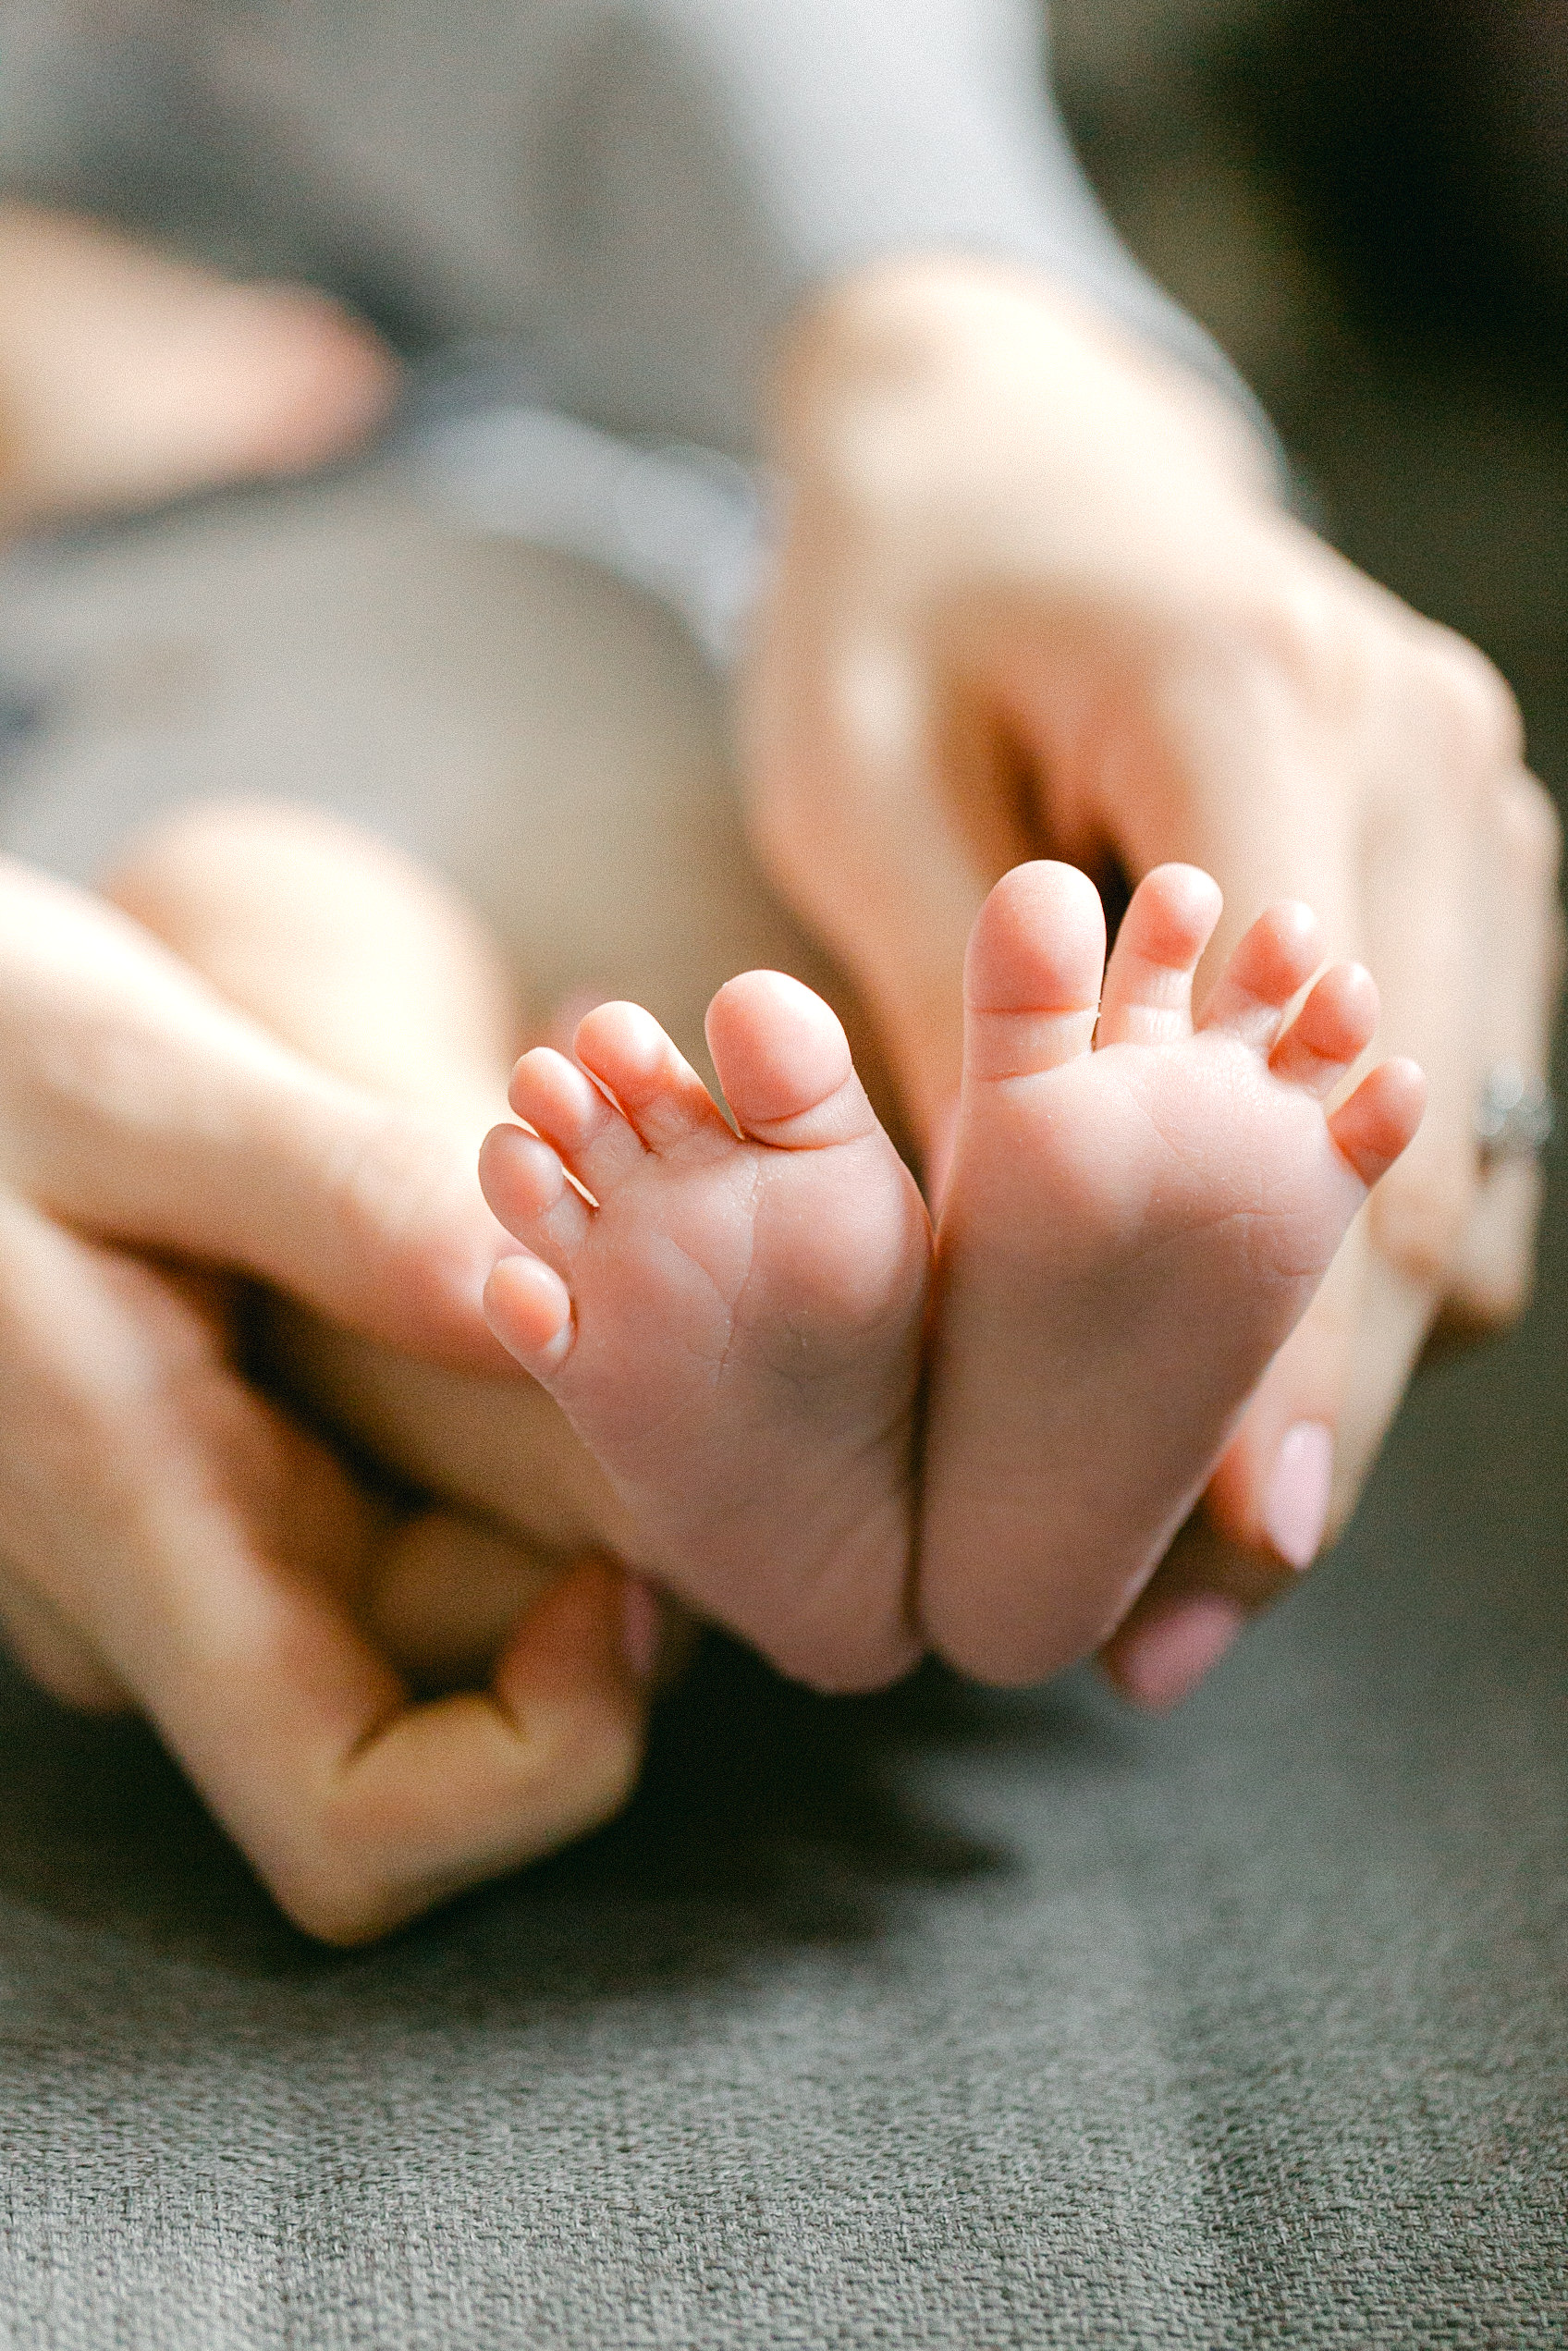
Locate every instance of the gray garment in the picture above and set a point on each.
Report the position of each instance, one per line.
(608, 206)
(637, 189)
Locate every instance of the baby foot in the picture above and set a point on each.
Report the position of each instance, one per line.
(731, 1324)
(1138, 1214)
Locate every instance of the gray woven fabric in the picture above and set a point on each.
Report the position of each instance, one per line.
(938, 2021)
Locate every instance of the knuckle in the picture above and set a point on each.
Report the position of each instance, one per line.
(408, 1201)
(1471, 709)
(1494, 1299)
(614, 1782)
(1532, 829)
(585, 1762)
(1296, 631)
(60, 1664)
(368, 1864)
(337, 1896)
(1419, 1221)
(1494, 1280)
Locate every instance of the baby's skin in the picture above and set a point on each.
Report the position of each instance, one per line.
(1139, 1211)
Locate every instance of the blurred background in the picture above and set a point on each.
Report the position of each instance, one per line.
(1369, 209)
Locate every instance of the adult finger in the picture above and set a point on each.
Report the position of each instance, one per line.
(445, 1592)
(1293, 827)
(1429, 900)
(870, 796)
(1189, 1614)
(49, 1650)
(213, 1555)
(1490, 1282)
(136, 1103)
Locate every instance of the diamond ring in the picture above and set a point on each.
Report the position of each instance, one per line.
(1515, 1115)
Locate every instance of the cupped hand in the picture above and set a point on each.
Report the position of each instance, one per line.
(1035, 596)
(168, 1537)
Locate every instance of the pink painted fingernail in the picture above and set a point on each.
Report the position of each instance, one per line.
(1163, 1661)
(1297, 1510)
(640, 1628)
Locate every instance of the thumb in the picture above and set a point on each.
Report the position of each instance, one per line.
(140, 1105)
(856, 803)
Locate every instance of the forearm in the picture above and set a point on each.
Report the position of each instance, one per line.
(969, 396)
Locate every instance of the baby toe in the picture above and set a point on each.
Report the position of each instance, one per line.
(562, 1103)
(1381, 1118)
(1273, 961)
(1033, 971)
(656, 1088)
(1148, 982)
(525, 1185)
(1333, 1025)
(528, 1308)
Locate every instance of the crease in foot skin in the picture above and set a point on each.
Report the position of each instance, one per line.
(1139, 1210)
(731, 1321)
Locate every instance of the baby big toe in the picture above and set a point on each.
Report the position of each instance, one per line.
(1032, 974)
(1334, 1024)
(785, 1064)
(656, 1089)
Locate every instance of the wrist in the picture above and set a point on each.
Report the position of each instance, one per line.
(930, 380)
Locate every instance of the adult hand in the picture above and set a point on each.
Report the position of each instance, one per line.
(167, 1536)
(1036, 597)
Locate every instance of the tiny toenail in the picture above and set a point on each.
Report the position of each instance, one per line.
(1163, 1661)
(1297, 1509)
(640, 1628)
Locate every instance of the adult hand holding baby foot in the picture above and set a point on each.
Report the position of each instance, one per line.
(1036, 597)
(169, 1537)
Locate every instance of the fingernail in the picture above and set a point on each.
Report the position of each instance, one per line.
(1297, 1510)
(1163, 1661)
(640, 1628)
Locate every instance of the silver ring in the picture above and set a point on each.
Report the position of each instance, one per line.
(1515, 1115)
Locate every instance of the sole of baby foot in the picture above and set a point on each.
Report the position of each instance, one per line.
(731, 1323)
(1139, 1212)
